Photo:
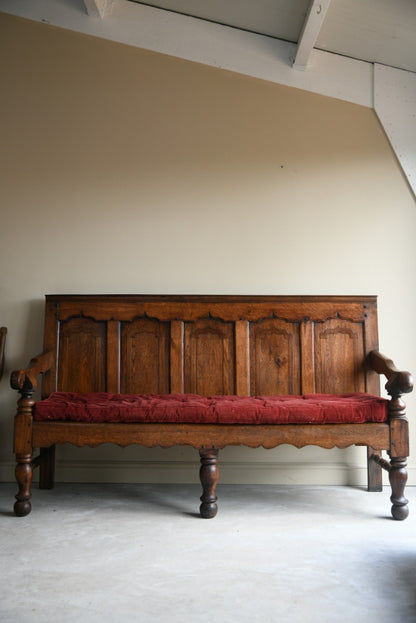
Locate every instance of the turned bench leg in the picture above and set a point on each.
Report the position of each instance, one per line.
(399, 451)
(398, 479)
(24, 472)
(209, 477)
(397, 471)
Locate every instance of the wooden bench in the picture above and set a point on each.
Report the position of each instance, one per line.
(211, 371)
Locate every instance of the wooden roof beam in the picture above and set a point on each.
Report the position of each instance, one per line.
(310, 32)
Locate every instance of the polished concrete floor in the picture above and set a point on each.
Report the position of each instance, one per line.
(140, 553)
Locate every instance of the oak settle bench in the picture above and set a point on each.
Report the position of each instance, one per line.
(211, 371)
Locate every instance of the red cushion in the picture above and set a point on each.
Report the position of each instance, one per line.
(191, 408)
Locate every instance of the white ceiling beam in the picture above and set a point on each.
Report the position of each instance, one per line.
(211, 44)
(99, 8)
(310, 32)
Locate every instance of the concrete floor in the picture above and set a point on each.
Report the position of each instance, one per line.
(140, 553)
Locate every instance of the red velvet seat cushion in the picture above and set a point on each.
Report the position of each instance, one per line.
(191, 408)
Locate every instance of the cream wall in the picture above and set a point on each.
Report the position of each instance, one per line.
(128, 171)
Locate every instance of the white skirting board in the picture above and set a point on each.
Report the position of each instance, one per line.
(231, 472)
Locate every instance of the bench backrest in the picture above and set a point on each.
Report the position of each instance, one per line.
(210, 345)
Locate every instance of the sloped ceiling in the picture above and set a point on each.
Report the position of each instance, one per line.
(377, 31)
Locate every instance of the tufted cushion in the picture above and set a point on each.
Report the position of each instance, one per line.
(191, 408)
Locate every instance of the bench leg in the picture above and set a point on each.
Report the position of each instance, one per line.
(398, 479)
(374, 472)
(47, 468)
(209, 477)
(24, 472)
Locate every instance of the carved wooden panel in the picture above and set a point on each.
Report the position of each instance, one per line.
(82, 356)
(210, 344)
(339, 356)
(274, 357)
(209, 360)
(145, 357)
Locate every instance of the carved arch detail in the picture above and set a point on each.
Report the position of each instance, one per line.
(209, 357)
(339, 356)
(145, 356)
(274, 357)
(82, 355)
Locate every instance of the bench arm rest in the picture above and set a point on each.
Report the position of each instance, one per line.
(25, 380)
(398, 381)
